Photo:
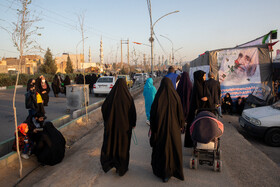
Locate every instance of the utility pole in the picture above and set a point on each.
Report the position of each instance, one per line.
(128, 52)
(121, 56)
(125, 42)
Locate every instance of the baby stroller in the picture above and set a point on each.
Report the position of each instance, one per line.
(206, 131)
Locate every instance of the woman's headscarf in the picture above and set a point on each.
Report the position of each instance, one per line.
(29, 84)
(149, 94)
(184, 90)
(43, 84)
(22, 127)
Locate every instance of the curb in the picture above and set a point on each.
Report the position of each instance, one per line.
(11, 87)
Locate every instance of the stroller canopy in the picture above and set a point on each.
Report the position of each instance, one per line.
(206, 127)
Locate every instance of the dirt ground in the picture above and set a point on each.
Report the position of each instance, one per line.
(243, 164)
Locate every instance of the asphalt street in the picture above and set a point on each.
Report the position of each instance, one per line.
(55, 109)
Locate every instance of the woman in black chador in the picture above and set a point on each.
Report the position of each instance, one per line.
(200, 99)
(43, 88)
(119, 115)
(50, 148)
(56, 85)
(167, 121)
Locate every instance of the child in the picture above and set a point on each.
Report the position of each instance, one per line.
(23, 140)
(30, 98)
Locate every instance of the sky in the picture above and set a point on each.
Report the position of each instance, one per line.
(199, 26)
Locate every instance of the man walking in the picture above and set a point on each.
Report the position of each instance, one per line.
(173, 76)
(215, 90)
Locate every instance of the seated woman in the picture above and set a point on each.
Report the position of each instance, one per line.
(50, 148)
(227, 104)
(239, 105)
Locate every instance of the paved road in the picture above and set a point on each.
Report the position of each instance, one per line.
(56, 109)
(243, 164)
(272, 152)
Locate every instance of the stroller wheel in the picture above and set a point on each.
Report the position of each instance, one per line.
(193, 163)
(219, 154)
(217, 165)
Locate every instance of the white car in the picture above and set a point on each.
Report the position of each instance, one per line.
(104, 85)
(146, 76)
(263, 122)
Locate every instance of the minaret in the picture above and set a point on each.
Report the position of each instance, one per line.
(89, 56)
(101, 55)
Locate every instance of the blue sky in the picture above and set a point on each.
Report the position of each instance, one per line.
(200, 25)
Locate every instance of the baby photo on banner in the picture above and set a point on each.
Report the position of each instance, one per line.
(239, 71)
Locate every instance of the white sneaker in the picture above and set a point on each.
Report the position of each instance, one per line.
(25, 156)
(148, 122)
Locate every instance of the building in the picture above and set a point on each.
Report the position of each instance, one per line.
(29, 64)
(76, 59)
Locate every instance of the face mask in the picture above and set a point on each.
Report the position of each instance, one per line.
(44, 81)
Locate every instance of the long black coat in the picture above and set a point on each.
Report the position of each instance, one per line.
(40, 89)
(119, 115)
(215, 90)
(50, 148)
(167, 119)
(199, 91)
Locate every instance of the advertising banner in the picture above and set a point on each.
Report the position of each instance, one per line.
(239, 72)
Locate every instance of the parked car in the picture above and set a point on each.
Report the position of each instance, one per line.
(128, 80)
(146, 76)
(139, 78)
(104, 85)
(263, 122)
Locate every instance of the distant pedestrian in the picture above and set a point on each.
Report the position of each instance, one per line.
(43, 88)
(119, 115)
(66, 82)
(200, 99)
(56, 85)
(172, 76)
(149, 95)
(30, 98)
(184, 90)
(215, 90)
(167, 121)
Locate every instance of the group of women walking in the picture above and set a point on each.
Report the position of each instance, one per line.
(167, 110)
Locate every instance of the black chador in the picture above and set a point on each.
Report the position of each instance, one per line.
(119, 117)
(167, 120)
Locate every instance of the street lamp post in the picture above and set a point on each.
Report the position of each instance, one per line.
(152, 34)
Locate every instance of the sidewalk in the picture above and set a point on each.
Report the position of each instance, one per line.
(243, 165)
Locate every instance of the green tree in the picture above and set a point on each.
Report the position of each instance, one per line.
(49, 66)
(69, 68)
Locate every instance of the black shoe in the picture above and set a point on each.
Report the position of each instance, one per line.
(165, 180)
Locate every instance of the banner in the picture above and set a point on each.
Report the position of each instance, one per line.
(239, 72)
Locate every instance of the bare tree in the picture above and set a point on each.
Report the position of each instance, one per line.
(81, 19)
(21, 36)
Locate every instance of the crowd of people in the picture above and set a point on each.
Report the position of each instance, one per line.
(170, 110)
(37, 137)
